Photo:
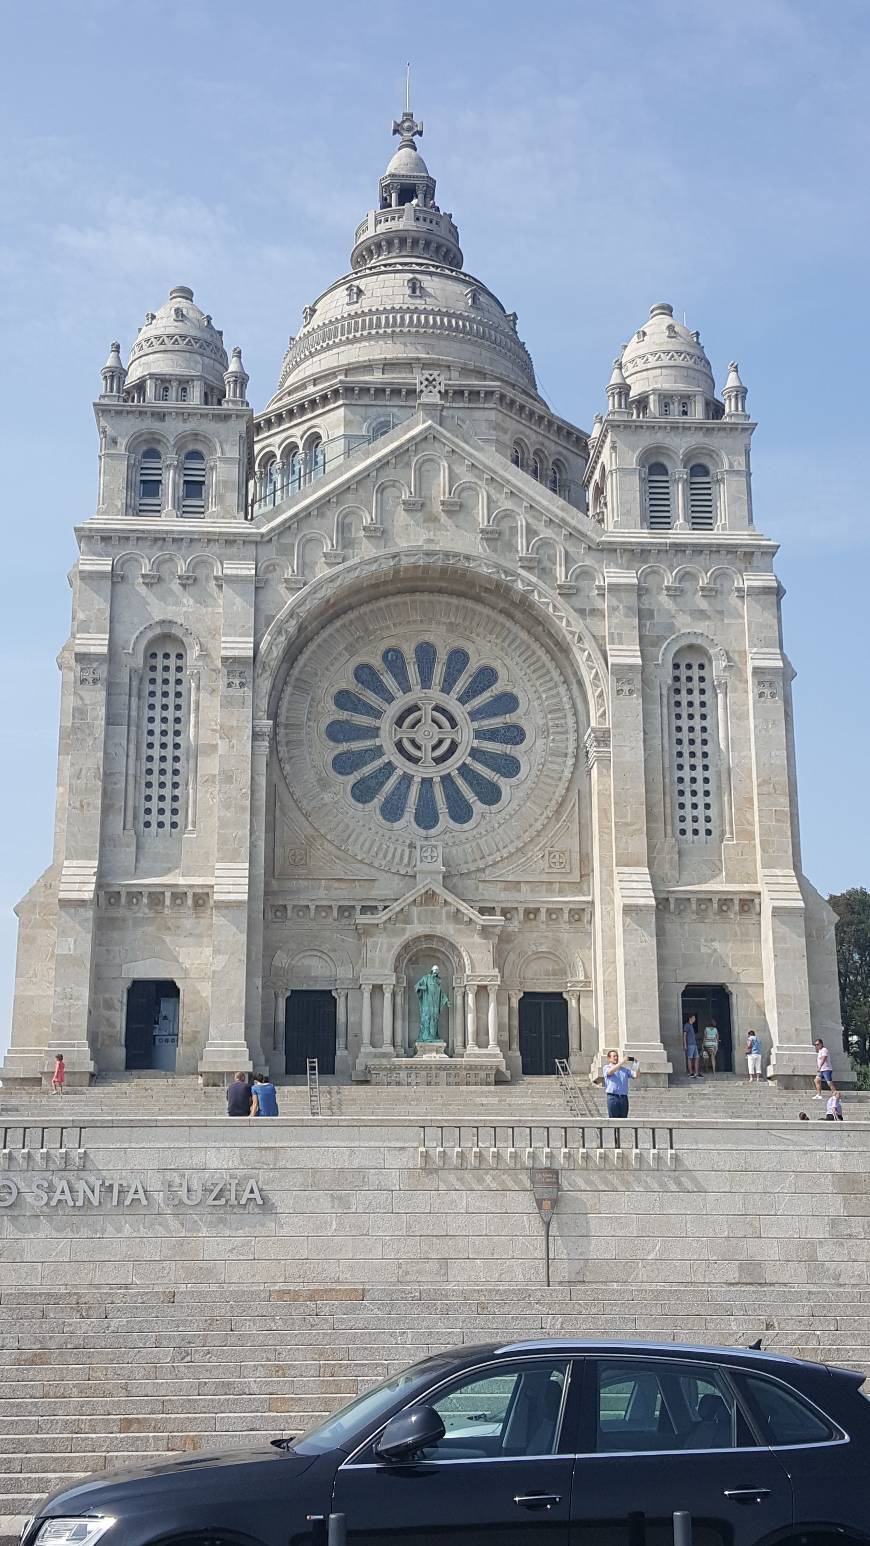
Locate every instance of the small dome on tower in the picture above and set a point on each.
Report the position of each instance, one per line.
(664, 355)
(178, 341)
(407, 162)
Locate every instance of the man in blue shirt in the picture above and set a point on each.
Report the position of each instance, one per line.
(617, 1072)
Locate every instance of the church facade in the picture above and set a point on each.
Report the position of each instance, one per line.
(405, 670)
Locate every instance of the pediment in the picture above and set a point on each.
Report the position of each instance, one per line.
(425, 475)
(430, 896)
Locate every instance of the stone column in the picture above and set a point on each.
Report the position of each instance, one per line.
(573, 997)
(597, 745)
(636, 950)
(513, 1059)
(724, 734)
(400, 1038)
(513, 1021)
(471, 1017)
(783, 914)
(279, 1014)
(492, 1016)
(388, 1018)
(681, 480)
(260, 743)
(83, 777)
(226, 1048)
(458, 1022)
(367, 1017)
(342, 1056)
(171, 501)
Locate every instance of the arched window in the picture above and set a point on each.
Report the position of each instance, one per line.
(537, 467)
(694, 747)
(150, 496)
(164, 393)
(380, 427)
(658, 496)
(182, 394)
(684, 408)
(518, 454)
(666, 408)
(193, 483)
(291, 470)
(315, 459)
(557, 479)
(163, 735)
(700, 497)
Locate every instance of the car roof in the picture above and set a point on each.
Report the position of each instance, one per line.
(589, 1347)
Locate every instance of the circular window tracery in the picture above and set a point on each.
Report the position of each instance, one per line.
(426, 715)
(415, 729)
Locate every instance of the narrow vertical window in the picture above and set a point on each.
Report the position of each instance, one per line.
(537, 468)
(163, 740)
(694, 748)
(557, 478)
(658, 496)
(700, 497)
(315, 456)
(150, 497)
(193, 484)
(518, 455)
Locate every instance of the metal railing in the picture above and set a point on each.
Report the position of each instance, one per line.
(291, 479)
(312, 1076)
(574, 1097)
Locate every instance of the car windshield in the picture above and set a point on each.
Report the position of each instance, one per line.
(365, 1411)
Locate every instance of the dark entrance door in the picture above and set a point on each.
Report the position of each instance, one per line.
(543, 1031)
(309, 1031)
(711, 1001)
(151, 1029)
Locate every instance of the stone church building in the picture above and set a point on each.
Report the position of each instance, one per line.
(404, 670)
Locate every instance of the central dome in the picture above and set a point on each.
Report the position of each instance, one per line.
(407, 298)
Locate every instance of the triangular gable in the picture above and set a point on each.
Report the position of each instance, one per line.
(439, 893)
(402, 440)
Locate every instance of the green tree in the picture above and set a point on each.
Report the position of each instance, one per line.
(853, 968)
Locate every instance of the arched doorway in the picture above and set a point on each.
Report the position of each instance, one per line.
(712, 1001)
(543, 1027)
(152, 1025)
(309, 1030)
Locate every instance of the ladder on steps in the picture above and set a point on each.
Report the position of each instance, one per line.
(312, 1075)
(573, 1096)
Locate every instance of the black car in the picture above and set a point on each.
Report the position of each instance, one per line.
(531, 1444)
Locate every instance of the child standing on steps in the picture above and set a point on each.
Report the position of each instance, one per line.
(59, 1075)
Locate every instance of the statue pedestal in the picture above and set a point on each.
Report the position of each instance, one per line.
(428, 1051)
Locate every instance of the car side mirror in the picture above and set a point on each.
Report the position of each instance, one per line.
(408, 1432)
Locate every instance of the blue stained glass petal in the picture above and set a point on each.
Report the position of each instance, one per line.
(340, 731)
(393, 805)
(425, 656)
(487, 792)
(506, 735)
(458, 808)
(425, 810)
(499, 703)
(484, 677)
(497, 762)
(396, 664)
(352, 703)
(370, 785)
(367, 676)
(454, 666)
(351, 762)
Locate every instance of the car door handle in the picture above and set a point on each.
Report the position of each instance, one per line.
(747, 1494)
(537, 1499)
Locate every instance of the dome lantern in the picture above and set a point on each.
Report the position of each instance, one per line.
(178, 355)
(664, 357)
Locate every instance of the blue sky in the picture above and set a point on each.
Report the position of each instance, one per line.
(597, 159)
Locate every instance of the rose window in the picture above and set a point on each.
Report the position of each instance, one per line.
(425, 735)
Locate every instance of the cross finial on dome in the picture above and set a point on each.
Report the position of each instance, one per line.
(407, 127)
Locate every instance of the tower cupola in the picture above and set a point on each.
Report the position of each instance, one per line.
(178, 356)
(407, 222)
